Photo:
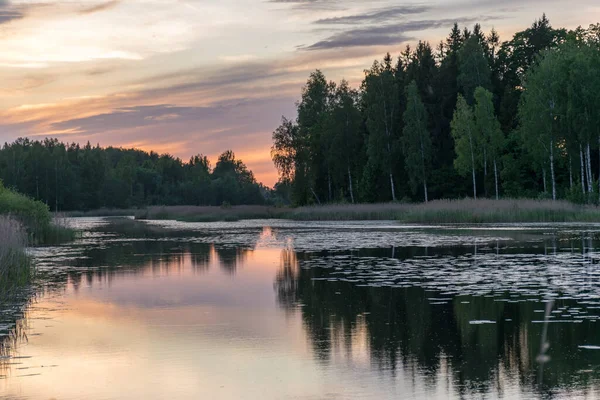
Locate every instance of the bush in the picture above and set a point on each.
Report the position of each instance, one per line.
(35, 217)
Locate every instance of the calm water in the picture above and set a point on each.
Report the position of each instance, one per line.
(285, 310)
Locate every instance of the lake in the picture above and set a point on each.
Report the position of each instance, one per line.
(305, 310)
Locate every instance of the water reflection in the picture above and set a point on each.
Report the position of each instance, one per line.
(181, 308)
(482, 343)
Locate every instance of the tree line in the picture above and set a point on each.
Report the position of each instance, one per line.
(474, 116)
(74, 177)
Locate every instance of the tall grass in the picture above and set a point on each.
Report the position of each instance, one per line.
(500, 211)
(103, 212)
(455, 211)
(16, 268)
(434, 212)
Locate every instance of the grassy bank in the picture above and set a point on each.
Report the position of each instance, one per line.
(36, 218)
(434, 212)
(16, 268)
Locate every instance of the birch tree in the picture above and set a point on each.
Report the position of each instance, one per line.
(465, 140)
(381, 106)
(416, 139)
(541, 110)
(488, 129)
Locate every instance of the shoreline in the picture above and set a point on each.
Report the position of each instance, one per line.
(435, 212)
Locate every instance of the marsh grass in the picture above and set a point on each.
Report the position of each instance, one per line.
(456, 211)
(499, 211)
(56, 232)
(434, 212)
(16, 269)
(102, 212)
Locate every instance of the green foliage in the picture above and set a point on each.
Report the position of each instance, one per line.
(35, 217)
(382, 111)
(416, 139)
(33, 214)
(70, 177)
(465, 139)
(336, 140)
(474, 68)
(486, 124)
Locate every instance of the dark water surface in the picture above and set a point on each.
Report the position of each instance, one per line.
(287, 310)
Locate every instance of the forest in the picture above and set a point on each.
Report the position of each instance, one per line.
(73, 177)
(472, 116)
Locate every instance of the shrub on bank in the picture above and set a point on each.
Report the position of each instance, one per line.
(35, 217)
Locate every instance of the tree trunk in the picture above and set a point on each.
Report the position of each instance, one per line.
(392, 187)
(544, 179)
(552, 169)
(473, 165)
(350, 185)
(474, 186)
(56, 187)
(570, 173)
(589, 166)
(423, 172)
(496, 177)
(484, 162)
(582, 170)
(316, 197)
(485, 172)
(329, 184)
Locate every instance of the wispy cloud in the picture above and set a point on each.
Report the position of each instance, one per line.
(137, 117)
(99, 7)
(375, 17)
(10, 12)
(311, 5)
(385, 35)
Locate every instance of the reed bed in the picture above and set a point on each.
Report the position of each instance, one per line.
(434, 212)
(102, 212)
(346, 212)
(456, 211)
(500, 211)
(16, 268)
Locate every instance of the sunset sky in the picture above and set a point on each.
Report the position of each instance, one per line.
(203, 76)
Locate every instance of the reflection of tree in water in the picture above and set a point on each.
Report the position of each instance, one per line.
(231, 257)
(152, 250)
(287, 279)
(103, 264)
(407, 328)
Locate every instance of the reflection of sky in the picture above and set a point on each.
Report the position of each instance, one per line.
(176, 329)
(182, 334)
(191, 76)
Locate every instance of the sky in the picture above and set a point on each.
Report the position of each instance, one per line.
(204, 76)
